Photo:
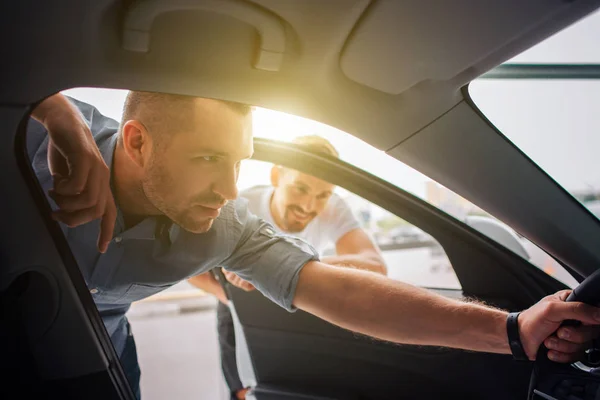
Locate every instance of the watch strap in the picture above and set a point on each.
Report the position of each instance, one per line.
(514, 338)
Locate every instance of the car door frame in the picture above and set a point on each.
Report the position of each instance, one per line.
(441, 226)
(264, 333)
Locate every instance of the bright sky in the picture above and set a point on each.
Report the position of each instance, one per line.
(555, 122)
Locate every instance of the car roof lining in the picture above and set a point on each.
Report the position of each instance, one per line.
(310, 82)
(439, 47)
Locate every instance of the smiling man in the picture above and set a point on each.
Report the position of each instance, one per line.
(171, 167)
(307, 207)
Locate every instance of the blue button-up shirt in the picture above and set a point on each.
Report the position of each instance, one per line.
(156, 254)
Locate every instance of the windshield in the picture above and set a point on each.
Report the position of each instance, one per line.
(577, 44)
(555, 122)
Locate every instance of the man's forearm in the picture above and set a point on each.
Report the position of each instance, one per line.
(209, 284)
(367, 262)
(57, 103)
(397, 312)
(81, 180)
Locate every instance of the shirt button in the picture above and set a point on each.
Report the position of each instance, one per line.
(118, 239)
(93, 291)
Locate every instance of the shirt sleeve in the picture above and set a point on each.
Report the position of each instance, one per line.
(267, 259)
(35, 137)
(343, 221)
(37, 150)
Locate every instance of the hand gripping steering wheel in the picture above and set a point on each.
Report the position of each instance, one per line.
(554, 381)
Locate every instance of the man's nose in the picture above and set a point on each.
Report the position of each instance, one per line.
(226, 184)
(307, 203)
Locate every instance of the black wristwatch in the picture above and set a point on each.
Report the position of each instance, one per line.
(514, 338)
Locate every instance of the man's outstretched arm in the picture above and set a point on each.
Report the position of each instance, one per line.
(394, 311)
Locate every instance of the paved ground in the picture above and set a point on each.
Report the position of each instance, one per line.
(178, 352)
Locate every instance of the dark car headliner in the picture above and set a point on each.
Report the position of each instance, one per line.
(387, 72)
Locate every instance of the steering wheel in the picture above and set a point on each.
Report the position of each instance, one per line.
(554, 381)
(588, 291)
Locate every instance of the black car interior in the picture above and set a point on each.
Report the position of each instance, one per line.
(53, 340)
(336, 62)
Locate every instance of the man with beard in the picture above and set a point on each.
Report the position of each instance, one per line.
(307, 207)
(300, 205)
(150, 202)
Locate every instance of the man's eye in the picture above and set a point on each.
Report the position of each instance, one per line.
(209, 158)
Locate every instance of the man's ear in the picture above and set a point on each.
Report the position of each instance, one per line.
(136, 142)
(275, 175)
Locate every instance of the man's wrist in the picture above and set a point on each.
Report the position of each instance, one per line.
(483, 328)
(514, 337)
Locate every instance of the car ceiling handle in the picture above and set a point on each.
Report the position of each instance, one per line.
(141, 16)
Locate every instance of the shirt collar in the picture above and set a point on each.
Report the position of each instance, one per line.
(107, 149)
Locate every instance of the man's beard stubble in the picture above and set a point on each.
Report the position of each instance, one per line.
(157, 183)
(294, 226)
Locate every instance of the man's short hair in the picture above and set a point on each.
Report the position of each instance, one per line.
(316, 144)
(166, 113)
